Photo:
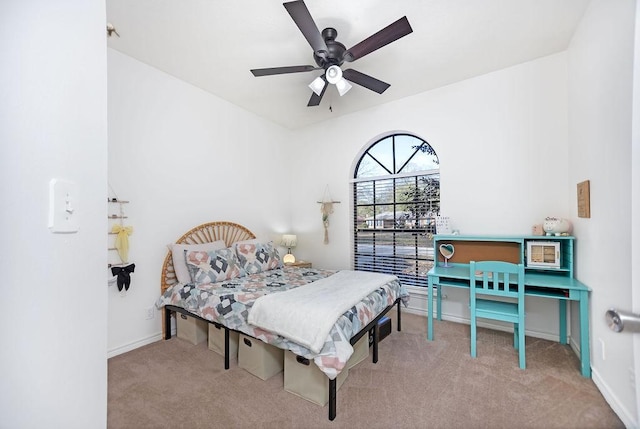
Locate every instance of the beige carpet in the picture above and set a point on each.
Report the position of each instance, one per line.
(415, 384)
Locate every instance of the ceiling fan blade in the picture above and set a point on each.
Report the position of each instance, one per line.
(301, 16)
(389, 34)
(282, 70)
(365, 80)
(315, 98)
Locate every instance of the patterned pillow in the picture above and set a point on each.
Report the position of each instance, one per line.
(179, 263)
(258, 257)
(213, 266)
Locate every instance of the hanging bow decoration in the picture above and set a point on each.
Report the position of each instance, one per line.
(122, 240)
(124, 275)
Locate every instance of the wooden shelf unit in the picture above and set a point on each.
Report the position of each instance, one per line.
(119, 218)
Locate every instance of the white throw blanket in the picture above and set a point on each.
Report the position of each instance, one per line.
(307, 313)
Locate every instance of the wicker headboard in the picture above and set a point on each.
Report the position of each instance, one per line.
(206, 233)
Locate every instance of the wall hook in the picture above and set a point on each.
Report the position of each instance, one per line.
(111, 29)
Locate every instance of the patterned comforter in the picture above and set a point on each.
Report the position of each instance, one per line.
(229, 303)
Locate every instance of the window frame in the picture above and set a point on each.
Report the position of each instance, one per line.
(406, 251)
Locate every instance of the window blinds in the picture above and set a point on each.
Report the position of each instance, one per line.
(394, 219)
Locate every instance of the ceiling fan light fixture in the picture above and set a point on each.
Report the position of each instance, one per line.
(317, 85)
(343, 86)
(333, 74)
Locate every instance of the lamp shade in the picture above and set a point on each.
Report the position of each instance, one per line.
(317, 85)
(289, 240)
(333, 74)
(343, 86)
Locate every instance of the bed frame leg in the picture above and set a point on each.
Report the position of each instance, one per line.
(399, 318)
(332, 399)
(167, 324)
(226, 347)
(376, 337)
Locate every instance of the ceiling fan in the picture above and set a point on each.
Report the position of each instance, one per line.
(329, 54)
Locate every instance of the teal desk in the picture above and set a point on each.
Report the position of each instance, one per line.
(557, 283)
(558, 287)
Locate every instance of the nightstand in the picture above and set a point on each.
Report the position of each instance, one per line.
(299, 264)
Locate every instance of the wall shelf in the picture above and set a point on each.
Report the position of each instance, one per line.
(115, 205)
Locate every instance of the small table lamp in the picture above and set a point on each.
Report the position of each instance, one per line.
(289, 241)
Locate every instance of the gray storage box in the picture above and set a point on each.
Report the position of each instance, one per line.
(216, 341)
(360, 352)
(260, 359)
(191, 329)
(303, 378)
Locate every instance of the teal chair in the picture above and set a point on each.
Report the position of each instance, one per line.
(496, 279)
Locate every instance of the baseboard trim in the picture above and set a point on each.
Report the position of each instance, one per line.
(624, 414)
(134, 345)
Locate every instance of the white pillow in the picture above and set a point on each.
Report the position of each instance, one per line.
(179, 262)
(252, 241)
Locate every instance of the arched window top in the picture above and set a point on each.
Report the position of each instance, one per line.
(397, 154)
(396, 200)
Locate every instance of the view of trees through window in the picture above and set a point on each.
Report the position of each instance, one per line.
(396, 192)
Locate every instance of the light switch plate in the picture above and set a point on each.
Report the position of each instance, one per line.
(63, 206)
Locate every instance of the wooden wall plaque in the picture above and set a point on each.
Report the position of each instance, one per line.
(584, 203)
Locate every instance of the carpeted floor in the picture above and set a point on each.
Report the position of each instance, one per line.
(415, 384)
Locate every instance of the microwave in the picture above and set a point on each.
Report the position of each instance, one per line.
(543, 254)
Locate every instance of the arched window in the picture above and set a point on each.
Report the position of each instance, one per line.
(396, 198)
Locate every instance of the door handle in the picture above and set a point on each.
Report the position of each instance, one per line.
(619, 320)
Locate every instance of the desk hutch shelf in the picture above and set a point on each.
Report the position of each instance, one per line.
(506, 248)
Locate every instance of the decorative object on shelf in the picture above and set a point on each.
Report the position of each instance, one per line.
(543, 254)
(556, 226)
(537, 229)
(446, 250)
(123, 275)
(443, 225)
(326, 208)
(122, 240)
(289, 241)
(584, 203)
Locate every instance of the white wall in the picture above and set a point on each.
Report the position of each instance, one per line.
(546, 124)
(53, 125)
(502, 143)
(600, 100)
(183, 157)
(635, 202)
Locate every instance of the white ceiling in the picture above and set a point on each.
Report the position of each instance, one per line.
(213, 44)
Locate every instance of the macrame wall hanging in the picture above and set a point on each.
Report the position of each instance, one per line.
(326, 208)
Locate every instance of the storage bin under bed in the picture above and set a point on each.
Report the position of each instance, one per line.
(191, 329)
(216, 341)
(259, 358)
(303, 378)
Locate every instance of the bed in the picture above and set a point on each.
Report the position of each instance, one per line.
(230, 303)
